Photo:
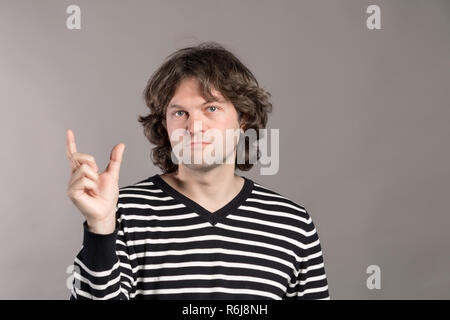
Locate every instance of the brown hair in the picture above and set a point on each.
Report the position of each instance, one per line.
(213, 66)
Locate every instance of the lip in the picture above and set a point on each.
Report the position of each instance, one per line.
(199, 143)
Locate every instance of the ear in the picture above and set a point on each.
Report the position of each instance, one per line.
(243, 121)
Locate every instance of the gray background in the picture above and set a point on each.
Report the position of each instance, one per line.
(363, 118)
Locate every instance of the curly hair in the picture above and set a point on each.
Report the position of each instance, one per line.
(214, 67)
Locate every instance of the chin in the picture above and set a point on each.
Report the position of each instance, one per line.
(202, 167)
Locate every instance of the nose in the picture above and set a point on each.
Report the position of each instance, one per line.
(195, 124)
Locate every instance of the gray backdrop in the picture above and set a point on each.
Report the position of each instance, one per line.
(363, 118)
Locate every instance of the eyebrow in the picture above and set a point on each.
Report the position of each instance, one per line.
(173, 105)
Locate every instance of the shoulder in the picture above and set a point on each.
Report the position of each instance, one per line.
(144, 184)
(289, 218)
(140, 194)
(143, 198)
(268, 198)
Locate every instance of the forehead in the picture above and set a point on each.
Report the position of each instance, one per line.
(189, 90)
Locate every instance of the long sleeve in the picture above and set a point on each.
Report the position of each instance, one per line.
(102, 269)
(310, 281)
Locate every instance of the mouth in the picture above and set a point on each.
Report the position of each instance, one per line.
(198, 144)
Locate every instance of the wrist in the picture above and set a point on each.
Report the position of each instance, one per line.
(106, 226)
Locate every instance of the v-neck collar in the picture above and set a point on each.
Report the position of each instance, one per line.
(211, 217)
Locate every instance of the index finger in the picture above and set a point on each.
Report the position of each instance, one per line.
(71, 147)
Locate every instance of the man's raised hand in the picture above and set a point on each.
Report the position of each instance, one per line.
(94, 193)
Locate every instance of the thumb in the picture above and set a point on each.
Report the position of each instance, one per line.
(115, 160)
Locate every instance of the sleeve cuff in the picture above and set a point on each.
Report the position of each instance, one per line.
(99, 250)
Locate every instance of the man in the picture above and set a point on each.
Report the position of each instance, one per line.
(199, 230)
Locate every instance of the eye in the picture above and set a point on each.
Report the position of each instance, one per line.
(176, 112)
(215, 108)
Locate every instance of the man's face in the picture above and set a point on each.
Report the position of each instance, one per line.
(204, 121)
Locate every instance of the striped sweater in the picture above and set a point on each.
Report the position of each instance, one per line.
(260, 245)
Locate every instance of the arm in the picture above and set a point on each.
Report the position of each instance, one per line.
(310, 281)
(102, 269)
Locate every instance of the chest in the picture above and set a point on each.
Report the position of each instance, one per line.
(201, 255)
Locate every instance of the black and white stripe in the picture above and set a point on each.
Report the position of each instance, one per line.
(260, 246)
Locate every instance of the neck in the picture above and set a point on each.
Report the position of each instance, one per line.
(215, 184)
